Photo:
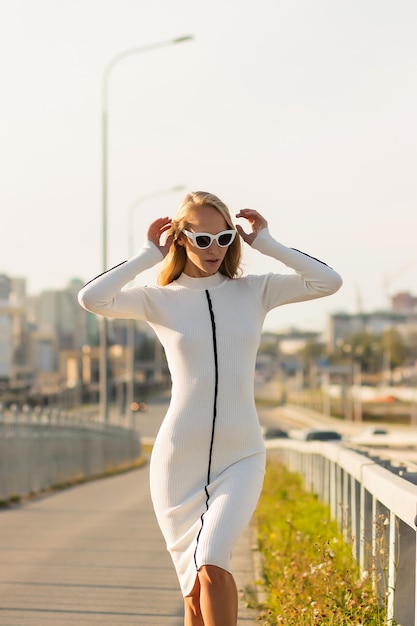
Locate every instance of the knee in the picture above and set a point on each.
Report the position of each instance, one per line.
(213, 576)
(192, 604)
(193, 599)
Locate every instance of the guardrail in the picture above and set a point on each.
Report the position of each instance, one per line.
(44, 448)
(375, 509)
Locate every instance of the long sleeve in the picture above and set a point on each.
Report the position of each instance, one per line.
(105, 295)
(312, 278)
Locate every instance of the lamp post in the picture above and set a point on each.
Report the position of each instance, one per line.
(131, 324)
(104, 404)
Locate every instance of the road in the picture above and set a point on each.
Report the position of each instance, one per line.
(399, 445)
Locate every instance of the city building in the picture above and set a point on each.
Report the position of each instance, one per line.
(404, 301)
(344, 325)
(14, 331)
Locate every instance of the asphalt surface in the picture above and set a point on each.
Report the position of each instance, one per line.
(93, 554)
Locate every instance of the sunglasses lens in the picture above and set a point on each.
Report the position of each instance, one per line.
(225, 240)
(203, 241)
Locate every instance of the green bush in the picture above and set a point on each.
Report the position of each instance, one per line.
(310, 575)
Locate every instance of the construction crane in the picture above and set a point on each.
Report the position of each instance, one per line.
(389, 280)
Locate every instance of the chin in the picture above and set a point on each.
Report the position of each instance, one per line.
(212, 269)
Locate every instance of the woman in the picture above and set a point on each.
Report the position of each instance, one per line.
(208, 461)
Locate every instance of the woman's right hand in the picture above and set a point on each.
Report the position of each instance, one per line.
(155, 232)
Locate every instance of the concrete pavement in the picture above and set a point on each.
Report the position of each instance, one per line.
(94, 554)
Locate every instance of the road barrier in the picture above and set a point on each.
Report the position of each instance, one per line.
(45, 448)
(375, 509)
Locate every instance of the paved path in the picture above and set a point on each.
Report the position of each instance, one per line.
(94, 554)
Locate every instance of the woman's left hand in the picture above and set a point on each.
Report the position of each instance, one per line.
(256, 221)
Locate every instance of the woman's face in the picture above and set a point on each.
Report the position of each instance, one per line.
(205, 262)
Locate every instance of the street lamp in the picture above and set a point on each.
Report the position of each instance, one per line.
(131, 324)
(103, 323)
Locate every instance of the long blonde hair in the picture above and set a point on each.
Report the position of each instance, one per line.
(174, 262)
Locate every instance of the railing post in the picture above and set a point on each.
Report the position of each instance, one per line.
(27, 412)
(392, 566)
(354, 517)
(374, 546)
(15, 412)
(415, 571)
(362, 529)
(345, 504)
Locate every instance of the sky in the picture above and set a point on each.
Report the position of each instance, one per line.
(303, 110)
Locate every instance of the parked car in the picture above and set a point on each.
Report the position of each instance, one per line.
(274, 433)
(322, 435)
(375, 430)
(371, 434)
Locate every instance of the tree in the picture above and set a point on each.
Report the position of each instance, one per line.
(411, 349)
(363, 348)
(313, 350)
(392, 344)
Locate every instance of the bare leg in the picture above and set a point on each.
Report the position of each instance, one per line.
(218, 596)
(192, 615)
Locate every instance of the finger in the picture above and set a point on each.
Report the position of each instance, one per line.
(161, 222)
(247, 212)
(245, 236)
(240, 230)
(160, 225)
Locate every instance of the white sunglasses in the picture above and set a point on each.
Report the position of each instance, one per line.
(204, 240)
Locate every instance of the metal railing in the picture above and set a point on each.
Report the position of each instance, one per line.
(44, 448)
(375, 509)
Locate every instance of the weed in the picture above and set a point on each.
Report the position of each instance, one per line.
(310, 575)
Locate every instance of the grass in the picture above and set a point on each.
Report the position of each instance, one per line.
(310, 576)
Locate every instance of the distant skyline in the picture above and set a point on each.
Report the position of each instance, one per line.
(304, 111)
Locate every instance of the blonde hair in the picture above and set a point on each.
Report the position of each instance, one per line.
(174, 262)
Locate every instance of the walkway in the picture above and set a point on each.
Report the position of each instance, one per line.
(94, 554)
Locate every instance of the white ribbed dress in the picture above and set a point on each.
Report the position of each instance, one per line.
(208, 461)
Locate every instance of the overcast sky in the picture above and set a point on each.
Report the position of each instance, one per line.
(304, 110)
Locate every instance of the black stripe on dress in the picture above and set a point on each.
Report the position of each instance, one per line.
(216, 385)
(106, 272)
(311, 257)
